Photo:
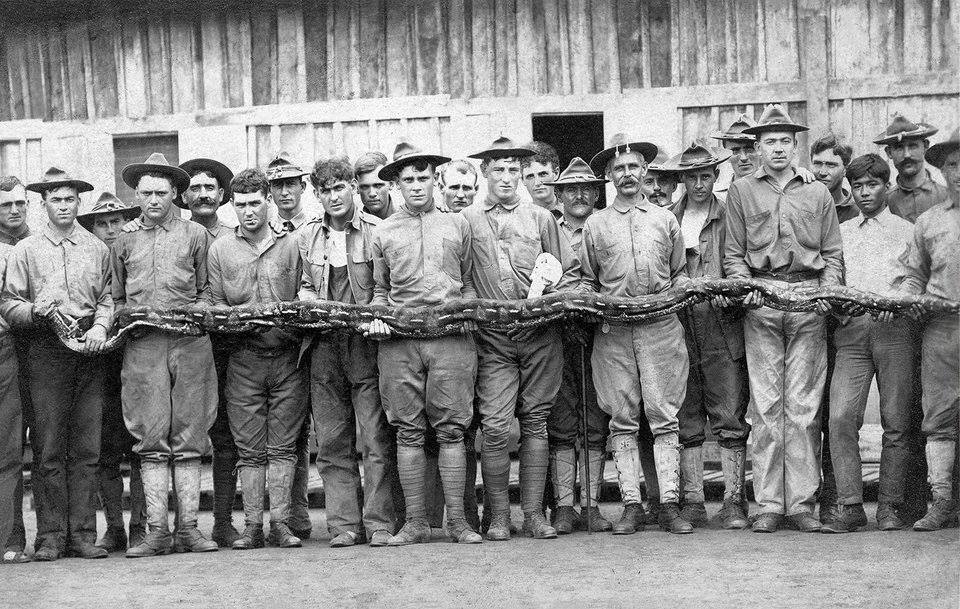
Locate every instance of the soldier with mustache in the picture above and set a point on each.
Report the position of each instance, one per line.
(659, 183)
(905, 143)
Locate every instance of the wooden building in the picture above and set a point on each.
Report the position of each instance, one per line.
(95, 85)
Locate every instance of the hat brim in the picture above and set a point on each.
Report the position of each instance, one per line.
(937, 154)
(131, 175)
(42, 187)
(390, 171)
(919, 134)
(734, 137)
(578, 182)
(221, 171)
(599, 161)
(679, 169)
(756, 130)
(503, 153)
(129, 213)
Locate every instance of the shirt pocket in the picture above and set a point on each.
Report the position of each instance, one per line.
(361, 270)
(404, 263)
(524, 252)
(451, 259)
(806, 227)
(760, 231)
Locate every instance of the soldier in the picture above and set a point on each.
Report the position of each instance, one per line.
(63, 270)
(659, 182)
(422, 257)
(578, 191)
(538, 170)
(633, 248)
(169, 383)
(717, 383)
(336, 250)
(265, 389)
(105, 220)
(783, 231)
(508, 237)
(209, 189)
(458, 183)
(931, 266)
(11, 437)
(829, 160)
(744, 158)
(374, 192)
(13, 211)
(906, 143)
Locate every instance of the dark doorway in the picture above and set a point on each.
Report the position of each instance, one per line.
(572, 135)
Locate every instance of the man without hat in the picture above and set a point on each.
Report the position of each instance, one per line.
(717, 391)
(458, 183)
(423, 258)
(264, 387)
(13, 211)
(518, 374)
(374, 191)
(64, 271)
(538, 170)
(11, 442)
(169, 382)
(106, 220)
(633, 248)
(785, 232)
(578, 192)
(906, 143)
(336, 250)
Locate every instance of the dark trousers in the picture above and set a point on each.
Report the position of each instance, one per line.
(221, 438)
(564, 423)
(11, 444)
(17, 539)
(67, 391)
(116, 444)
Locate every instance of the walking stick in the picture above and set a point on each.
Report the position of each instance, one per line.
(584, 451)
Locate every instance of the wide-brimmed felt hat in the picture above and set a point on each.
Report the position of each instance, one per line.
(281, 168)
(107, 203)
(900, 129)
(501, 148)
(937, 154)
(775, 118)
(621, 144)
(156, 163)
(659, 163)
(55, 178)
(698, 155)
(404, 154)
(735, 132)
(577, 172)
(218, 169)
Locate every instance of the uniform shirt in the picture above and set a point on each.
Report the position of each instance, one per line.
(931, 264)
(706, 258)
(73, 269)
(632, 249)
(507, 238)
(573, 235)
(246, 273)
(872, 248)
(219, 230)
(789, 230)
(5, 250)
(293, 224)
(315, 246)
(164, 265)
(909, 203)
(422, 258)
(14, 238)
(844, 204)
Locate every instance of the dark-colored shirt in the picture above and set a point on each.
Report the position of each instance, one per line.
(314, 243)
(909, 203)
(844, 204)
(507, 238)
(72, 269)
(793, 229)
(422, 258)
(163, 266)
(14, 238)
(932, 260)
(705, 260)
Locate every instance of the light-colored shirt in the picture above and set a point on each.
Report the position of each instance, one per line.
(220, 229)
(315, 244)
(507, 238)
(691, 223)
(572, 234)
(783, 230)
(872, 248)
(909, 203)
(932, 261)
(73, 269)
(632, 249)
(422, 258)
(293, 224)
(5, 250)
(337, 240)
(164, 265)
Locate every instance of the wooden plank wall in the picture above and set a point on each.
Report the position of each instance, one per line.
(317, 50)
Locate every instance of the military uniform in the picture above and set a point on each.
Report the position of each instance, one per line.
(11, 439)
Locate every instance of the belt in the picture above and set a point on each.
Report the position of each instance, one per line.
(787, 277)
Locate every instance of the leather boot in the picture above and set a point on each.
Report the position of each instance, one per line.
(849, 519)
(452, 462)
(534, 461)
(114, 539)
(593, 517)
(156, 482)
(889, 519)
(224, 492)
(631, 520)
(411, 464)
(495, 467)
(414, 530)
(280, 480)
(940, 457)
(671, 520)
(563, 470)
(666, 454)
(626, 455)
(253, 481)
(186, 476)
(691, 481)
(733, 514)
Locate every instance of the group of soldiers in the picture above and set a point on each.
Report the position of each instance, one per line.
(409, 409)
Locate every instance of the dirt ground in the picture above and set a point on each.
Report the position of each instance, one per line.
(711, 568)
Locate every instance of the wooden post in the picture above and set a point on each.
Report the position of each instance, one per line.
(812, 21)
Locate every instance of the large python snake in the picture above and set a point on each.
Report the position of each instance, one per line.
(503, 315)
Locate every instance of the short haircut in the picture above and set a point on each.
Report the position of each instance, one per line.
(829, 142)
(462, 166)
(250, 180)
(8, 183)
(368, 162)
(332, 169)
(544, 153)
(417, 164)
(871, 164)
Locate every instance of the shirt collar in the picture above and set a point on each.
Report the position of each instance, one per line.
(882, 216)
(423, 212)
(274, 236)
(353, 222)
(623, 206)
(56, 237)
(489, 203)
(842, 198)
(926, 185)
(23, 232)
(762, 173)
(165, 225)
(713, 208)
